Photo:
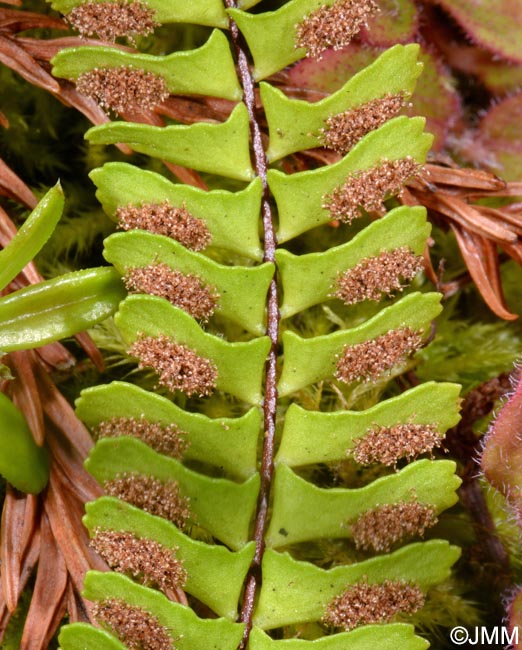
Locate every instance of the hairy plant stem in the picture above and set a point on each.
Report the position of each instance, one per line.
(253, 579)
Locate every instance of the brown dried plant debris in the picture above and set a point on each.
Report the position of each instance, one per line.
(185, 290)
(160, 498)
(123, 88)
(110, 20)
(344, 130)
(373, 276)
(178, 367)
(165, 219)
(368, 360)
(378, 529)
(166, 439)
(333, 26)
(387, 445)
(134, 626)
(363, 603)
(368, 188)
(144, 559)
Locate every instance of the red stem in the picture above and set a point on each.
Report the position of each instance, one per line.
(253, 579)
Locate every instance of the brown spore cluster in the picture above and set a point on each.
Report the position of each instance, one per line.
(123, 88)
(333, 26)
(363, 604)
(344, 130)
(370, 359)
(165, 219)
(178, 367)
(144, 559)
(373, 276)
(387, 445)
(164, 438)
(110, 20)
(368, 188)
(380, 528)
(134, 626)
(184, 290)
(160, 498)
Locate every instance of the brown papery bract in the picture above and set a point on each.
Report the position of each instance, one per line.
(370, 359)
(374, 276)
(123, 88)
(363, 603)
(185, 290)
(144, 559)
(178, 367)
(165, 219)
(378, 529)
(160, 498)
(387, 445)
(165, 439)
(134, 626)
(333, 26)
(368, 188)
(109, 20)
(344, 130)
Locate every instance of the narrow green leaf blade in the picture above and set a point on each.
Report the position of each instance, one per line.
(82, 636)
(215, 148)
(58, 308)
(299, 197)
(432, 482)
(369, 637)
(295, 124)
(310, 279)
(315, 437)
(242, 290)
(240, 365)
(232, 218)
(222, 507)
(35, 231)
(204, 12)
(188, 631)
(215, 574)
(228, 443)
(297, 592)
(207, 70)
(22, 462)
(310, 360)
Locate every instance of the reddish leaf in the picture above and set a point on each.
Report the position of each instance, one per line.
(495, 24)
(481, 259)
(396, 23)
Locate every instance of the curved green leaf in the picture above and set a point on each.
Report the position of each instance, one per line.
(222, 507)
(22, 462)
(297, 592)
(299, 197)
(369, 637)
(36, 230)
(242, 290)
(215, 148)
(240, 365)
(208, 70)
(204, 12)
(314, 437)
(82, 636)
(58, 308)
(310, 279)
(228, 443)
(295, 124)
(232, 218)
(271, 35)
(432, 482)
(310, 360)
(188, 631)
(215, 574)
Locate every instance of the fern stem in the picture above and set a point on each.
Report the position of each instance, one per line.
(253, 579)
